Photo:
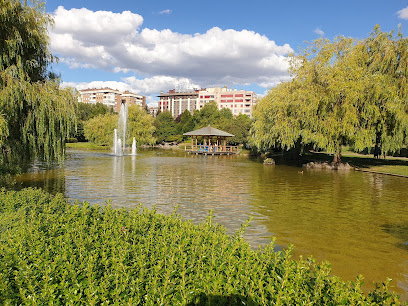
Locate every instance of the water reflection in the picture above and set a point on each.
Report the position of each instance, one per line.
(358, 221)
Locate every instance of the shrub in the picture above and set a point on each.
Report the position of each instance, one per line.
(52, 252)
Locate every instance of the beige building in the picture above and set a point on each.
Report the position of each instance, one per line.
(110, 97)
(238, 101)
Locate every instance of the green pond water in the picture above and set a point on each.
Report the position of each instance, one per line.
(357, 221)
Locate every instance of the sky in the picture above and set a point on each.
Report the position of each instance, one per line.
(151, 46)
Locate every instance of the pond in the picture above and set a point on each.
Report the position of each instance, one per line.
(357, 221)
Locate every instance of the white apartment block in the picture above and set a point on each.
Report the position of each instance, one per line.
(238, 101)
(177, 102)
(110, 97)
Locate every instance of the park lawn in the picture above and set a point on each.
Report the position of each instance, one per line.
(389, 165)
(390, 169)
(85, 145)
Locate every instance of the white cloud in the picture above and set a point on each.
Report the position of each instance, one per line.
(116, 42)
(165, 12)
(156, 84)
(121, 86)
(403, 14)
(319, 32)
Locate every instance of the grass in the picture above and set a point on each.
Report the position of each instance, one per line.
(86, 145)
(389, 165)
(54, 253)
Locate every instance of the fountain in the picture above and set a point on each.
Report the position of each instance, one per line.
(119, 136)
(134, 146)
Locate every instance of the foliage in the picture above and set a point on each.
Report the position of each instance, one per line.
(208, 115)
(36, 116)
(140, 126)
(3, 129)
(388, 56)
(39, 117)
(185, 123)
(86, 111)
(165, 126)
(52, 252)
(168, 129)
(99, 130)
(24, 39)
(340, 94)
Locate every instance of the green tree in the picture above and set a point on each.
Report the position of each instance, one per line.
(240, 127)
(165, 127)
(99, 129)
(388, 56)
(37, 116)
(140, 126)
(24, 39)
(86, 111)
(226, 113)
(208, 115)
(335, 98)
(185, 124)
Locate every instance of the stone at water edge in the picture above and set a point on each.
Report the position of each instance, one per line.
(327, 166)
(269, 161)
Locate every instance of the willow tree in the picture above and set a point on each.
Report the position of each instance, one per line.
(388, 56)
(140, 126)
(36, 116)
(99, 129)
(335, 98)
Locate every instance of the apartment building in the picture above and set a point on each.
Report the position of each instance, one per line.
(110, 97)
(238, 101)
(177, 102)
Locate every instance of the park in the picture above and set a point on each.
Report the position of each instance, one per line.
(94, 211)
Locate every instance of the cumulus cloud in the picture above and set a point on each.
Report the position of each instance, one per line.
(165, 12)
(403, 14)
(121, 86)
(116, 42)
(319, 32)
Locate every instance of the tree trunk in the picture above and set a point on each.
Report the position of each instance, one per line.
(337, 156)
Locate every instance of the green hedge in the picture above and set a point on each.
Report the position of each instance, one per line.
(52, 252)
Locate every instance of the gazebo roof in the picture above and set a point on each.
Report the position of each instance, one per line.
(208, 131)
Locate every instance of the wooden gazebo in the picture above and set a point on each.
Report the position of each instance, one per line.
(214, 142)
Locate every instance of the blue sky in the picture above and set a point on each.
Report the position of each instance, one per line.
(149, 46)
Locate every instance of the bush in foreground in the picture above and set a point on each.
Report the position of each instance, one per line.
(52, 252)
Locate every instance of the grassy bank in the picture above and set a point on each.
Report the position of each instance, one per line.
(86, 145)
(52, 252)
(389, 165)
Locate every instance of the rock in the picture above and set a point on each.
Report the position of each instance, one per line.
(269, 161)
(327, 166)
